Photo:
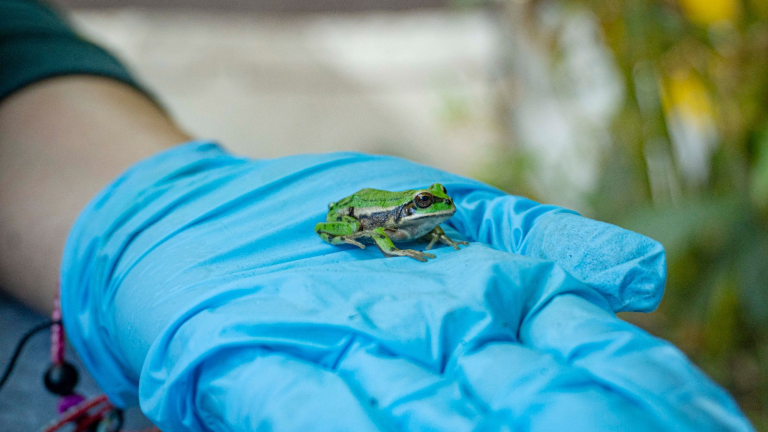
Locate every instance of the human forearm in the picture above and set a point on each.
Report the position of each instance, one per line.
(61, 141)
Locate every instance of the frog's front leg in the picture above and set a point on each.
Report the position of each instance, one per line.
(437, 234)
(342, 230)
(387, 247)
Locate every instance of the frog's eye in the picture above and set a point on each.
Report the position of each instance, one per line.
(423, 200)
(443, 188)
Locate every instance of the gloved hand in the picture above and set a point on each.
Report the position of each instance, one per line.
(195, 285)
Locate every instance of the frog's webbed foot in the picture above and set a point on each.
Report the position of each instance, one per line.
(421, 256)
(437, 234)
(452, 243)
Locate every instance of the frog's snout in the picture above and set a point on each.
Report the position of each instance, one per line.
(449, 203)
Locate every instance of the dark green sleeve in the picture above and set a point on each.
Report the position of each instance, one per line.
(36, 43)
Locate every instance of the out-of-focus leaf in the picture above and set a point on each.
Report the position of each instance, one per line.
(759, 181)
(691, 290)
(510, 170)
(759, 8)
(702, 222)
(620, 187)
(753, 277)
(721, 331)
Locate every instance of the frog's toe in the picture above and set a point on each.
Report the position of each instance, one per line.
(456, 244)
(352, 242)
(416, 257)
(421, 256)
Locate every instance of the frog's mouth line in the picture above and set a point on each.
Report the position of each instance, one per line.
(447, 213)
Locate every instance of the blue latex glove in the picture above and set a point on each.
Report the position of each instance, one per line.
(195, 285)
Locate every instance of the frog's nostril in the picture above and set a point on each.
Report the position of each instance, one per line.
(448, 201)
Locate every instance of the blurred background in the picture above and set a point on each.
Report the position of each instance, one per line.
(649, 114)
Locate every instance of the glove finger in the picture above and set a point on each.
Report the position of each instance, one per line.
(249, 389)
(217, 369)
(543, 394)
(413, 396)
(391, 334)
(648, 371)
(209, 374)
(412, 326)
(627, 268)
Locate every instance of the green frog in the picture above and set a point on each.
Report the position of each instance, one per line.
(382, 218)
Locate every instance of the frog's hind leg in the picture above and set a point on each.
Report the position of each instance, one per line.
(341, 231)
(346, 229)
(388, 248)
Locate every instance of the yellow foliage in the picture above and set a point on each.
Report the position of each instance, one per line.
(759, 7)
(684, 92)
(706, 12)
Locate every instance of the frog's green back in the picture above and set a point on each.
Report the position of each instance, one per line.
(374, 198)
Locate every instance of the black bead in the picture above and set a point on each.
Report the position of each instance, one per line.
(61, 379)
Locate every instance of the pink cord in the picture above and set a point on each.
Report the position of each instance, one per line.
(57, 334)
(76, 412)
(74, 408)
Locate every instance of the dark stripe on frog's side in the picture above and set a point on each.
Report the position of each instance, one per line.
(371, 220)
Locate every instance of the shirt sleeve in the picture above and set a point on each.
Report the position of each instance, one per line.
(37, 43)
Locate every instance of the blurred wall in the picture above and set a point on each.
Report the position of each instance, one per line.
(418, 84)
(263, 5)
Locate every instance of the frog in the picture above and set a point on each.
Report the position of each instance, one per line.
(380, 217)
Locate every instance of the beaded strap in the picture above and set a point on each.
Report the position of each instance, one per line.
(62, 377)
(57, 334)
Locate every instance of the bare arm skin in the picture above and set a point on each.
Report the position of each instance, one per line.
(61, 141)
